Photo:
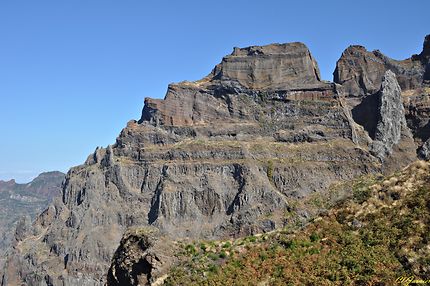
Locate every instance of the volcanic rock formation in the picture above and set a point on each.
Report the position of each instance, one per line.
(360, 72)
(228, 155)
(283, 72)
(21, 203)
(148, 253)
(391, 121)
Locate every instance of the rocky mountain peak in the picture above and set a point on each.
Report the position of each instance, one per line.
(6, 184)
(284, 71)
(242, 151)
(270, 67)
(426, 47)
(360, 72)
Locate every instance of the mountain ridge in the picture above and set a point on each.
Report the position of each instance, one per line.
(234, 152)
(21, 203)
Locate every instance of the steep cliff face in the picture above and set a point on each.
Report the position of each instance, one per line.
(230, 92)
(425, 59)
(391, 120)
(361, 75)
(367, 239)
(272, 67)
(360, 72)
(225, 156)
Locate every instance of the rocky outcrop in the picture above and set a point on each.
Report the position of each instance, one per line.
(360, 72)
(417, 108)
(424, 151)
(424, 57)
(142, 258)
(225, 156)
(21, 203)
(391, 117)
(272, 67)
(277, 71)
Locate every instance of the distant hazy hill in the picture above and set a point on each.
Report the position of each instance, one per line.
(24, 200)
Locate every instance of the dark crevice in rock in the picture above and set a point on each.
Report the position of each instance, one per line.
(238, 176)
(155, 205)
(366, 114)
(66, 260)
(81, 196)
(154, 210)
(142, 267)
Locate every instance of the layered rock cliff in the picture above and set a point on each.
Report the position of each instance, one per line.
(360, 72)
(367, 239)
(361, 75)
(225, 156)
(21, 203)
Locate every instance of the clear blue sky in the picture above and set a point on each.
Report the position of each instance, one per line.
(73, 72)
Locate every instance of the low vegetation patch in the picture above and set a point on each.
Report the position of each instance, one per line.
(380, 234)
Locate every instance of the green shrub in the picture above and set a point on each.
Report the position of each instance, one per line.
(314, 237)
(289, 244)
(263, 256)
(213, 256)
(203, 246)
(190, 249)
(213, 268)
(222, 255)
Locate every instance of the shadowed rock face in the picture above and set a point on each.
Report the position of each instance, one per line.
(224, 156)
(425, 59)
(360, 72)
(424, 151)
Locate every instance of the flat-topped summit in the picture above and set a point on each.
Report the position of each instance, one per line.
(284, 71)
(274, 66)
